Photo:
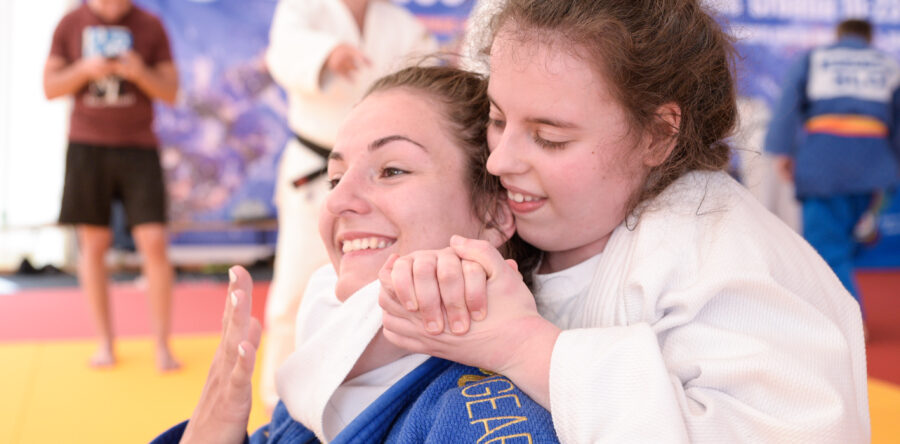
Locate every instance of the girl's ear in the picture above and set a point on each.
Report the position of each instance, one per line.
(500, 225)
(659, 150)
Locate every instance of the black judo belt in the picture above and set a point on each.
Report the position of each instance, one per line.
(318, 149)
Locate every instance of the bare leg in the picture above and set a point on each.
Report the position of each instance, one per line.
(151, 240)
(93, 242)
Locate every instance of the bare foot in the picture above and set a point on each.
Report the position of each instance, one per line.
(140, 282)
(103, 358)
(165, 362)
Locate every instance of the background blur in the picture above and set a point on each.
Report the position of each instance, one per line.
(221, 141)
(220, 146)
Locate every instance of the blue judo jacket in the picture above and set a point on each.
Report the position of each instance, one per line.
(439, 402)
(838, 117)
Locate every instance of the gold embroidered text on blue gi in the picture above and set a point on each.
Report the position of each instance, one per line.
(465, 379)
(518, 437)
(486, 384)
(486, 396)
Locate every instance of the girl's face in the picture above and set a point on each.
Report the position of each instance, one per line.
(562, 148)
(399, 186)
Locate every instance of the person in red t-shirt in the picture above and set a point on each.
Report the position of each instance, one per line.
(114, 59)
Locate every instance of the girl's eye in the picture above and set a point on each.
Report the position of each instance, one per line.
(496, 123)
(333, 182)
(391, 172)
(544, 143)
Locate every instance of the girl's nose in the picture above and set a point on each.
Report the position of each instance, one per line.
(505, 159)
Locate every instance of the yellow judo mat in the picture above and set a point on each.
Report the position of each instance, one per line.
(49, 395)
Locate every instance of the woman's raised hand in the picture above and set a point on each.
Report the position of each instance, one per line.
(223, 412)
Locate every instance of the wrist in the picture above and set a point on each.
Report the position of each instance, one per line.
(83, 70)
(529, 367)
(533, 344)
(138, 75)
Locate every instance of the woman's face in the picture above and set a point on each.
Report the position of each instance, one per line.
(562, 148)
(399, 186)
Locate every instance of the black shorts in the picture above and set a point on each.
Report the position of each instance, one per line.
(98, 175)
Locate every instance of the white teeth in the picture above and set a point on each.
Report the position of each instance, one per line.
(518, 197)
(369, 243)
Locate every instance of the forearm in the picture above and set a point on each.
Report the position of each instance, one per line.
(160, 82)
(64, 80)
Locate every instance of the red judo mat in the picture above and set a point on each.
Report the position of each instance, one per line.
(881, 302)
(63, 313)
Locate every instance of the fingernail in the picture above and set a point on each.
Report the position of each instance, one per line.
(410, 305)
(479, 315)
(432, 327)
(456, 239)
(241, 350)
(231, 276)
(233, 299)
(458, 327)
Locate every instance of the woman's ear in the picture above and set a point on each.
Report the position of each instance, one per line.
(659, 150)
(500, 225)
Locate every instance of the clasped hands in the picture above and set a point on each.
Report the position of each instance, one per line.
(128, 65)
(464, 303)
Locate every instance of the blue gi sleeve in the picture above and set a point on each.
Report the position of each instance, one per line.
(895, 124)
(789, 113)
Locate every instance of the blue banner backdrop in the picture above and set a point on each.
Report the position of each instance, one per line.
(221, 142)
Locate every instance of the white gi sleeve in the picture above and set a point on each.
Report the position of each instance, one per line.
(731, 358)
(296, 52)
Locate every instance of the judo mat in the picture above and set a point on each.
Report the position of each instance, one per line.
(48, 394)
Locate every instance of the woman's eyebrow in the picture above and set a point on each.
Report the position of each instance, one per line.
(378, 143)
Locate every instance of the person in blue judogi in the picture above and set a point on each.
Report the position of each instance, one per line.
(834, 135)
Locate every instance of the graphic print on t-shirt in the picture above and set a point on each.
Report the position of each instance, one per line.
(109, 42)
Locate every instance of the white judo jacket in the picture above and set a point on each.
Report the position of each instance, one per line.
(710, 321)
